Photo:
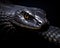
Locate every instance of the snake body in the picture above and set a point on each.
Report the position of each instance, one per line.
(9, 16)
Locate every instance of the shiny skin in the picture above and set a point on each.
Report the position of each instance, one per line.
(27, 17)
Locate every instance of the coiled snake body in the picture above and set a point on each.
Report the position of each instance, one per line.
(27, 17)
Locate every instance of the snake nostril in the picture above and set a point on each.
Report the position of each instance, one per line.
(39, 23)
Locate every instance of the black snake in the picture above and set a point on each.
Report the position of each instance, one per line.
(27, 17)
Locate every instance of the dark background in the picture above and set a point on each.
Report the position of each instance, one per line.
(47, 5)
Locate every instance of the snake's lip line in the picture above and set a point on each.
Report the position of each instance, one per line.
(14, 22)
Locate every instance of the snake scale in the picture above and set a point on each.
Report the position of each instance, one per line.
(27, 17)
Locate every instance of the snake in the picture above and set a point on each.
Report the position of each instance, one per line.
(27, 17)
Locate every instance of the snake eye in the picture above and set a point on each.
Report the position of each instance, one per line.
(26, 15)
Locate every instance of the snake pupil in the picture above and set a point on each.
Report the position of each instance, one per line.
(26, 17)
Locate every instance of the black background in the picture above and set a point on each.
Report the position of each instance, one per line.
(47, 5)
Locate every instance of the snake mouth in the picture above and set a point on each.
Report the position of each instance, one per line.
(35, 28)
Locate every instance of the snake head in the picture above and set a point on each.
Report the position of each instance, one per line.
(29, 17)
